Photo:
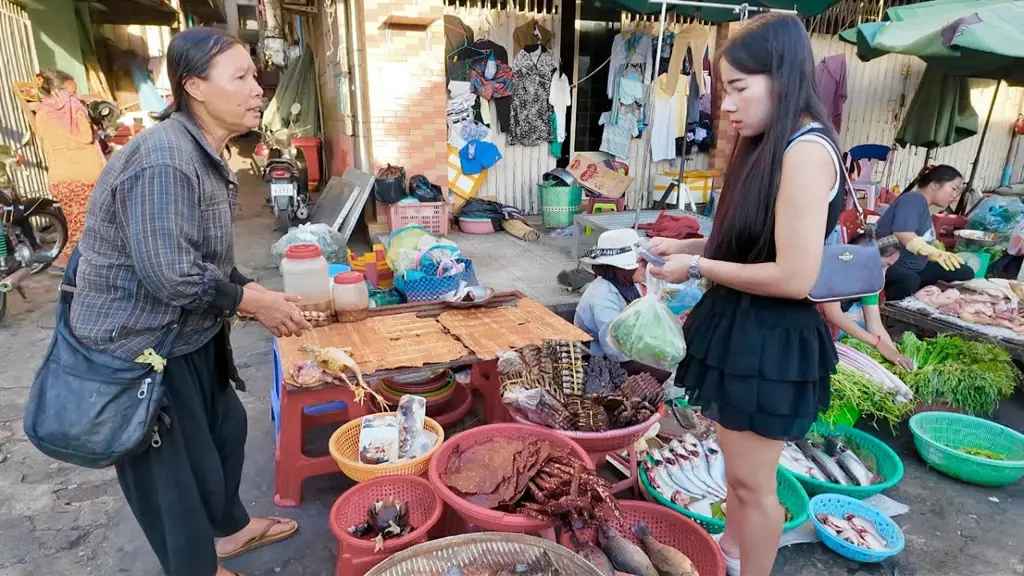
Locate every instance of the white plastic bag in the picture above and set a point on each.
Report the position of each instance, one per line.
(648, 332)
(330, 241)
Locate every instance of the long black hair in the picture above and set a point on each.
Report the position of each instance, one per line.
(934, 175)
(621, 278)
(189, 55)
(776, 45)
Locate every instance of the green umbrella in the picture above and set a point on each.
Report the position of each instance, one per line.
(975, 38)
(805, 8)
(940, 113)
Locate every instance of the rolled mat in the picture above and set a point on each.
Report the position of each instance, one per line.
(520, 230)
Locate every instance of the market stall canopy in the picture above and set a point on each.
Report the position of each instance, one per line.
(205, 11)
(941, 113)
(975, 38)
(805, 8)
(129, 12)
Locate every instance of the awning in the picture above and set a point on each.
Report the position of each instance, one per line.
(128, 12)
(805, 8)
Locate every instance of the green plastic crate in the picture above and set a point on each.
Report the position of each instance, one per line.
(559, 203)
(939, 437)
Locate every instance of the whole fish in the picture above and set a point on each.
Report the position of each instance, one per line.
(667, 560)
(866, 527)
(701, 468)
(834, 523)
(716, 463)
(810, 469)
(824, 462)
(850, 463)
(625, 556)
(682, 478)
(853, 537)
(663, 486)
(675, 480)
(542, 565)
(595, 556)
(687, 462)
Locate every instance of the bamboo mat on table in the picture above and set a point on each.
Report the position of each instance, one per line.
(379, 343)
(487, 331)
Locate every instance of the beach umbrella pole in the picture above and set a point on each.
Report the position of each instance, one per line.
(962, 204)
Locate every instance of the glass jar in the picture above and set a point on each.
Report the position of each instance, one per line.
(304, 270)
(351, 297)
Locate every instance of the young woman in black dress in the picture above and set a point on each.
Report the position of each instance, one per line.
(759, 354)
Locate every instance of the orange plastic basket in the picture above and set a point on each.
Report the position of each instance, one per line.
(344, 447)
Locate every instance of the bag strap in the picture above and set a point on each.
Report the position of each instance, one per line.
(848, 192)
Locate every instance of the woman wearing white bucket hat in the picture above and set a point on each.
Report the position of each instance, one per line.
(619, 281)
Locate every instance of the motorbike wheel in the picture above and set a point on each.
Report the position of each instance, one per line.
(284, 221)
(50, 228)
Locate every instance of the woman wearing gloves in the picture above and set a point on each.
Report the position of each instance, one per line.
(909, 218)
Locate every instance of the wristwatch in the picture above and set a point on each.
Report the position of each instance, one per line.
(695, 268)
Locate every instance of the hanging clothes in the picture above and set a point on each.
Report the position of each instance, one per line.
(529, 34)
(617, 135)
(830, 76)
(497, 88)
(458, 55)
(634, 51)
(560, 99)
(670, 116)
(531, 91)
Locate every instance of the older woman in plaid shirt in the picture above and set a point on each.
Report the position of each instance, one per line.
(158, 250)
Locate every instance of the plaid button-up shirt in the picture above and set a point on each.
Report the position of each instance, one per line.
(158, 245)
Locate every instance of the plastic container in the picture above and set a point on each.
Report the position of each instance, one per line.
(304, 270)
(433, 216)
(479, 516)
(350, 297)
(887, 463)
(559, 203)
(791, 495)
(471, 225)
(602, 442)
(839, 505)
(425, 509)
(940, 436)
(669, 528)
(344, 448)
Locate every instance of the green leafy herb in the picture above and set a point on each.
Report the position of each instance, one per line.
(982, 453)
(852, 388)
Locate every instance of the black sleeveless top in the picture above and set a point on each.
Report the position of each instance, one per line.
(758, 363)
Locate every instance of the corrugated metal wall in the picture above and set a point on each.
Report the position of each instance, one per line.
(18, 64)
(872, 114)
(513, 180)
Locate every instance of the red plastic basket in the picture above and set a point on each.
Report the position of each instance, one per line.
(671, 529)
(603, 442)
(479, 516)
(425, 509)
(433, 216)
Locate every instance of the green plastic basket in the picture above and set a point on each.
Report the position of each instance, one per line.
(939, 437)
(848, 415)
(559, 203)
(791, 495)
(887, 464)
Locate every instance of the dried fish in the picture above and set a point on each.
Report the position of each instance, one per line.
(588, 415)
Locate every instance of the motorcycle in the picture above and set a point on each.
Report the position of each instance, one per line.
(33, 231)
(285, 171)
(104, 116)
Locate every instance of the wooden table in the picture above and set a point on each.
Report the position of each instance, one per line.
(292, 465)
(937, 323)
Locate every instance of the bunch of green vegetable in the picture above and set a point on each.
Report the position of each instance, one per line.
(968, 375)
(852, 388)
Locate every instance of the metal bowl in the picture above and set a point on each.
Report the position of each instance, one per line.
(976, 238)
(456, 298)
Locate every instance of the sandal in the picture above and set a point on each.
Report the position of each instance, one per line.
(264, 537)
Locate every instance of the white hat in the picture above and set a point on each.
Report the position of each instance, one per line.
(614, 248)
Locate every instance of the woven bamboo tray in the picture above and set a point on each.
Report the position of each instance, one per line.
(491, 549)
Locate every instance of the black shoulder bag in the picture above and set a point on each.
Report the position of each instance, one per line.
(90, 408)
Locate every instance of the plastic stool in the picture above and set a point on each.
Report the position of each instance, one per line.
(599, 206)
(484, 379)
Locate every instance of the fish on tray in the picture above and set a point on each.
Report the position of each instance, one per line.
(835, 462)
(850, 463)
(824, 462)
(854, 529)
(542, 565)
(689, 473)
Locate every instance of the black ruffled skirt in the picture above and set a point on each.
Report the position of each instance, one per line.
(756, 363)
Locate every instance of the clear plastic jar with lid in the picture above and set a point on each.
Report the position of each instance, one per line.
(351, 297)
(304, 270)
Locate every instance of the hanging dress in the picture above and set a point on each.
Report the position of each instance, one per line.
(758, 363)
(531, 91)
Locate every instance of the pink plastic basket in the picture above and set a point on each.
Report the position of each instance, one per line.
(433, 216)
(478, 515)
(669, 528)
(425, 509)
(602, 442)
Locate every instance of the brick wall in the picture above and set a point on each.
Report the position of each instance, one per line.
(406, 88)
(725, 135)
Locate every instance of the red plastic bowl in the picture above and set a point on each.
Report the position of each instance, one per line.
(479, 516)
(425, 510)
(671, 529)
(456, 409)
(602, 442)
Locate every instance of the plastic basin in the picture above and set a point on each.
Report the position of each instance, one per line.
(889, 466)
(839, 505)
(425, 509)
(602, 442)
(940, 436)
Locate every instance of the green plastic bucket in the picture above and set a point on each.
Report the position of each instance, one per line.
(559, 203)
(847, 415)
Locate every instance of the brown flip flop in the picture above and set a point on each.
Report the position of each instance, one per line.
(264, 537)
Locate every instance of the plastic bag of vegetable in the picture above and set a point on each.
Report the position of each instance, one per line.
(648, 332)
(330, 241)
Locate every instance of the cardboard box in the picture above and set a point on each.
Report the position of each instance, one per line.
(594, 171)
